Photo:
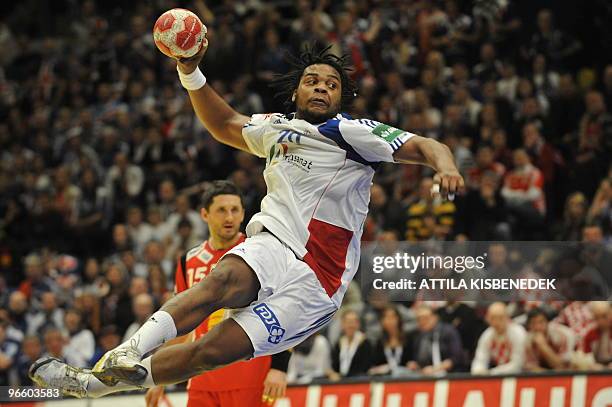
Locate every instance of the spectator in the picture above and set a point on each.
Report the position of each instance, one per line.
(466, 321)
(37, 282)
(598, 341)
(309, 360)
(566, 109)
(601, 208)
(549, 162)
(392, 351)
(483, 213)
(166, 198)
(160, 229)
(501, 347)
(18, 310)
(436, 346)
(549, 345)
(108, 339)
(596, 256)
(142, 307)
(81, 343)
(184, 211)
(124, 183)
(8, 355)
(140, 232)
(65, 194)
(352, 354)
(49, 316)
(545, 81)
(158, 283)
(578, 317)
(607, 85)
(426, 212)
(463, 155)
(116, 300)
(31, 350)
(384, 210)
(595, 132)
(55, 343)
(574, 218)
(489, 67)
(556, 46)
(524, 194)
(92, 212)
(184, 239)
(485, 162)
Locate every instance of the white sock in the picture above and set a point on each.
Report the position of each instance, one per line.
(95, 388)
(155, 332)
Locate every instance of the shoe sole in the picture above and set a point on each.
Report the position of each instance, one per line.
(110, 376)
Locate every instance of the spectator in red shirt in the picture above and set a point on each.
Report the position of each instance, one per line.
(523, 192)
(485, 162)
(548, 160)
(549, 345)
(598, 341)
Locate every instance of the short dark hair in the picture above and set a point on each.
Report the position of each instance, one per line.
(312, 54)
(221, 187)
(535, 313)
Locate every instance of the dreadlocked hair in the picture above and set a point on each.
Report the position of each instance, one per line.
(286, 84)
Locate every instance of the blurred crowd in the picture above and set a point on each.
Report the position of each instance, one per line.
(103, 162)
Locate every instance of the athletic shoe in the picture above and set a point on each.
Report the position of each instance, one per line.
(121, 364)
(52, 372)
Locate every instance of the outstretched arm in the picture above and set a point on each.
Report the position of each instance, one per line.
(426, 151)
(224, 123)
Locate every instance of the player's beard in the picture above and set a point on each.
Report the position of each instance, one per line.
(317, 117)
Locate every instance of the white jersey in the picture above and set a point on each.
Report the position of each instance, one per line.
(318, 179)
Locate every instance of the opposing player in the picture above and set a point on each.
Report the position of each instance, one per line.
(242, 383)
(287, 279)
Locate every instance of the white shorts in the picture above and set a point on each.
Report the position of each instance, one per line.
(291, 304)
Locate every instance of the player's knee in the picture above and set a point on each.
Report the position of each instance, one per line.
(208, 356)
(213, 289)
(231, 285)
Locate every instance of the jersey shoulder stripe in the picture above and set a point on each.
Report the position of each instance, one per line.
(331, 130)
(189, 254)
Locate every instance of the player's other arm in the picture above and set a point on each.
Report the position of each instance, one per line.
(426, 151)
(224, 123)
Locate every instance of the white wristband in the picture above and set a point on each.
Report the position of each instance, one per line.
(192, 81)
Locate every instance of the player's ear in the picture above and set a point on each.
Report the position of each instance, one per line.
(293, 97)
(204, 214)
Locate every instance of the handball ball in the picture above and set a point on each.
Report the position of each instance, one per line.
(179, 33)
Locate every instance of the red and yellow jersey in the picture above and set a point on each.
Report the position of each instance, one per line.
(194, 266)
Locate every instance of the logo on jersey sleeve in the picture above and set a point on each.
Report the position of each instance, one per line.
(271, 323)
(384, 131)
(387, 132)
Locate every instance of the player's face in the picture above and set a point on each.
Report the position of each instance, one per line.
(319, 94)
(224, 216)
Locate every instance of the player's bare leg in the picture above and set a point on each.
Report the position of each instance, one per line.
(233, 284)
(224, 344)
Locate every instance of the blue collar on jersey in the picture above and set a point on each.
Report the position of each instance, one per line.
(291, 116)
